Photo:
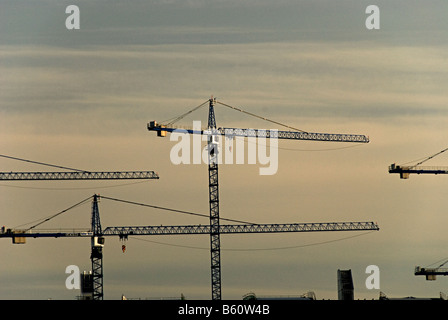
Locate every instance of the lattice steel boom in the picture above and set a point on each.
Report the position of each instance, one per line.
(197, 229)
(279, 134)
(78, 175)
(405, 171)
(241, 228)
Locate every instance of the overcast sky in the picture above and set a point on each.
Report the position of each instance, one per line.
(82, 98)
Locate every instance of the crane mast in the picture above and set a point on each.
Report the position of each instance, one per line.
(215, 244)
(96, 256)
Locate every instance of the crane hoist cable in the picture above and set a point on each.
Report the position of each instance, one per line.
(175, 119)
(259, 117)
(41, 163)
(256, 249)
(55, 215)
(173, 210)
(445, 260)
(430, 157)
(422, 160)
(43, 220)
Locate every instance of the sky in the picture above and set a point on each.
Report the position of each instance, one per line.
(82, 98)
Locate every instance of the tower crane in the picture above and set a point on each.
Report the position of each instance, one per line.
(213, 132)
(97, 234)
(405, 171)
(430, 273)
(76, 174)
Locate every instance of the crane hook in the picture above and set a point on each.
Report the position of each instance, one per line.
(123, 239)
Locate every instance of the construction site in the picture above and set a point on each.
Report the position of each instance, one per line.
(93, 281)
(222, 151)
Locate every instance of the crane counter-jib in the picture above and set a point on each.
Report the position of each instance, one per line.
(56, 233)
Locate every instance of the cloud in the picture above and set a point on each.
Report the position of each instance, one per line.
(219, 22)
(83, 100)
(298, 79)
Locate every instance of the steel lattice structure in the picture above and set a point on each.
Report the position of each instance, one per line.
(292, 135)
(213, 187)
(97, 251)
(241, 228)
(199, 229)
(78, 175)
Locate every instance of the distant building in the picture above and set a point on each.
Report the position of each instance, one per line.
(86, 286)
(345, 285)
(384, 297)
(182, 297)
(306, 296)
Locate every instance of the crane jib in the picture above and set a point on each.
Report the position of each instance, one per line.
(196, 229)
(293, 135)
(241, 228)
(78, 175)
(269, 133)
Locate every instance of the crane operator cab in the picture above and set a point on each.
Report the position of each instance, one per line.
(98, 242)
(213, 142)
